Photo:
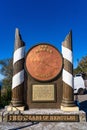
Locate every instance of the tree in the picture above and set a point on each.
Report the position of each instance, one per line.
(82, 66)
(7, 71)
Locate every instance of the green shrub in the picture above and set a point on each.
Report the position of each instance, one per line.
(6, 98)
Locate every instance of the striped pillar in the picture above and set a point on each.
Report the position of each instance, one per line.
(67, 76)
(18, 71)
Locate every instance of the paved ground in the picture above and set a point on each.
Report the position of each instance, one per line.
(47, 125)
(43, 126)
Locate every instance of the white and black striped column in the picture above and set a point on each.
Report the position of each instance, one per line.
(18, 71)
(67, 76)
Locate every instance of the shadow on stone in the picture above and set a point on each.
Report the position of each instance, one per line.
(21, 127)
(83, 106)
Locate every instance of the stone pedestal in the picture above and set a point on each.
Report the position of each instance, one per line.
(70, 109)
(45, 115)
(11, 108)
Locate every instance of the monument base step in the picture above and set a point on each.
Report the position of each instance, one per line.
(43, 115)
(71, 109)
(49, 115)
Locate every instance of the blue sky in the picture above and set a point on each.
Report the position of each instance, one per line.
(43, 21)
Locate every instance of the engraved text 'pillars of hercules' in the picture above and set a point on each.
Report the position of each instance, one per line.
(18, 71)
(68, 82)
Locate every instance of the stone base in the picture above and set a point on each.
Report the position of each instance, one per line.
(34, 114)
(11, 108)
(51, 112)
(69, 109)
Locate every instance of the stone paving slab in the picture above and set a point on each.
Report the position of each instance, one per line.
(43, 126)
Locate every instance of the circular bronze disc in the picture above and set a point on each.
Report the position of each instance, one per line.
(44, 62)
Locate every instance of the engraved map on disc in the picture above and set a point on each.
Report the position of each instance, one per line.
(43, 62)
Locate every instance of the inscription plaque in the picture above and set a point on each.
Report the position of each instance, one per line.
(44, 118)
(43, 93)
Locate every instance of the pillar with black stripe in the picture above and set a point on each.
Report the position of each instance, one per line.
(67, 76)
(18, 71)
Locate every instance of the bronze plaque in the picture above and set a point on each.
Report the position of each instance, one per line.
(43, 93)
(43, 62)
(44, 118)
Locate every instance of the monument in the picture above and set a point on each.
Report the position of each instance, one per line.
(43, 80)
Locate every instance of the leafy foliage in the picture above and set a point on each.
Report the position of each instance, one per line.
(82, 66)
(7, 68)
(7, 71)
(6, 97)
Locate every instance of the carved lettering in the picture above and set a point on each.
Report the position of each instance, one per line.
(63, 118)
